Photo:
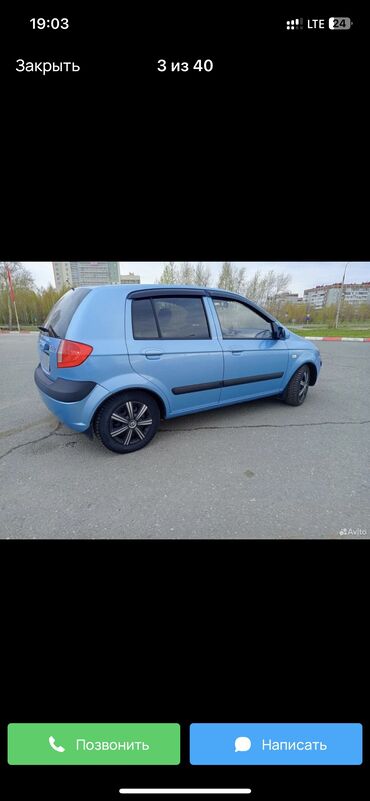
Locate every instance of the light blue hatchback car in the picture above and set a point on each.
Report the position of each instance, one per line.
(115, 359)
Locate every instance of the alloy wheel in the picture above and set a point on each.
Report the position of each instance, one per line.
(130, 422)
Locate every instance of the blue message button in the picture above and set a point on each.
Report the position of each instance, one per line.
(276, 744)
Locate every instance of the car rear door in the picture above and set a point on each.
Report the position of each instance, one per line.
(254, 361)
(172, 341)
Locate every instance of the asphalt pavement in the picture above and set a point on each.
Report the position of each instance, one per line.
(259, 470)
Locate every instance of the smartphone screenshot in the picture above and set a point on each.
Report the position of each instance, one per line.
(184, 402)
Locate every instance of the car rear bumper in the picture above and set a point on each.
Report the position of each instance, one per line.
(62, 389)
(72, 402)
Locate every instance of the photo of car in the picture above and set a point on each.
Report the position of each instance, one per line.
(115, 359)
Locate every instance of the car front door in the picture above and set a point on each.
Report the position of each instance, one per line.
(254, 361)
(173, 342)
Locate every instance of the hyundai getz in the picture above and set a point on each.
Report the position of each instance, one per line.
(114, 360)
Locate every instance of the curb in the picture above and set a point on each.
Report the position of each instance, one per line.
(340, 339)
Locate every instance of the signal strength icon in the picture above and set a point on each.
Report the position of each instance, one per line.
(294, 24)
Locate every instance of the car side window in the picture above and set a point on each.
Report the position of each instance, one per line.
(238, 321)
(144, 325)
(181, 318)
(169, 318)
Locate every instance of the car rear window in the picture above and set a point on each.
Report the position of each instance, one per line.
(169, 318)
(61, 314)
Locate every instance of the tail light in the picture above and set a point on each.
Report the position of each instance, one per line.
(71, 354)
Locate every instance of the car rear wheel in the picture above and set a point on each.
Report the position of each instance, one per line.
(127, 422)
(297, 389)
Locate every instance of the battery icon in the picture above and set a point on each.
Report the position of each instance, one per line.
(340, 23)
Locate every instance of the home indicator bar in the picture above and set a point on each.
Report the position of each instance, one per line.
(185, 791)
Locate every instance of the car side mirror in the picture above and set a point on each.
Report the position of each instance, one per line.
(279, 331)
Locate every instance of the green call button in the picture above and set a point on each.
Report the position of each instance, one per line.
(93, 743)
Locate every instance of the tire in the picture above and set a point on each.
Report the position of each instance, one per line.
(296, 391)
(131, 406)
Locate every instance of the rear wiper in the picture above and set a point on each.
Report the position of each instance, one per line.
(49, 330)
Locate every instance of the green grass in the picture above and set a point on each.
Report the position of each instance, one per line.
(5, 327)
(330, 332)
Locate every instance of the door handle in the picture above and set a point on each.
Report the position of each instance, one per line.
(152, 354)
(237, 352)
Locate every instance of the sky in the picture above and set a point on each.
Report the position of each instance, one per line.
(304, 274)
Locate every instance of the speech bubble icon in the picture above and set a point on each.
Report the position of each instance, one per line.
(242, 744)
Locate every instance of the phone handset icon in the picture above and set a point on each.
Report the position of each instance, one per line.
(58, 748)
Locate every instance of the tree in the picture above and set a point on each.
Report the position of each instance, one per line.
(239, 279)
(261, 287)
(364, 312)
(27, 306)
(21, 278)
(258, 287)
(169, 274)
(186, 274)
(292, 312)
(253, 287)
(226, 277)
(33, 305)
(282, 281)
(202, 275)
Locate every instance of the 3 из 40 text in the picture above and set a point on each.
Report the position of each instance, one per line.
(184, 66)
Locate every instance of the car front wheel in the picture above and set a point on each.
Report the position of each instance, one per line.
(127, 422)
(297, 389)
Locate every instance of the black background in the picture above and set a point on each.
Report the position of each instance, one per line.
(266, 153)
(264, 158)
(185, 631)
